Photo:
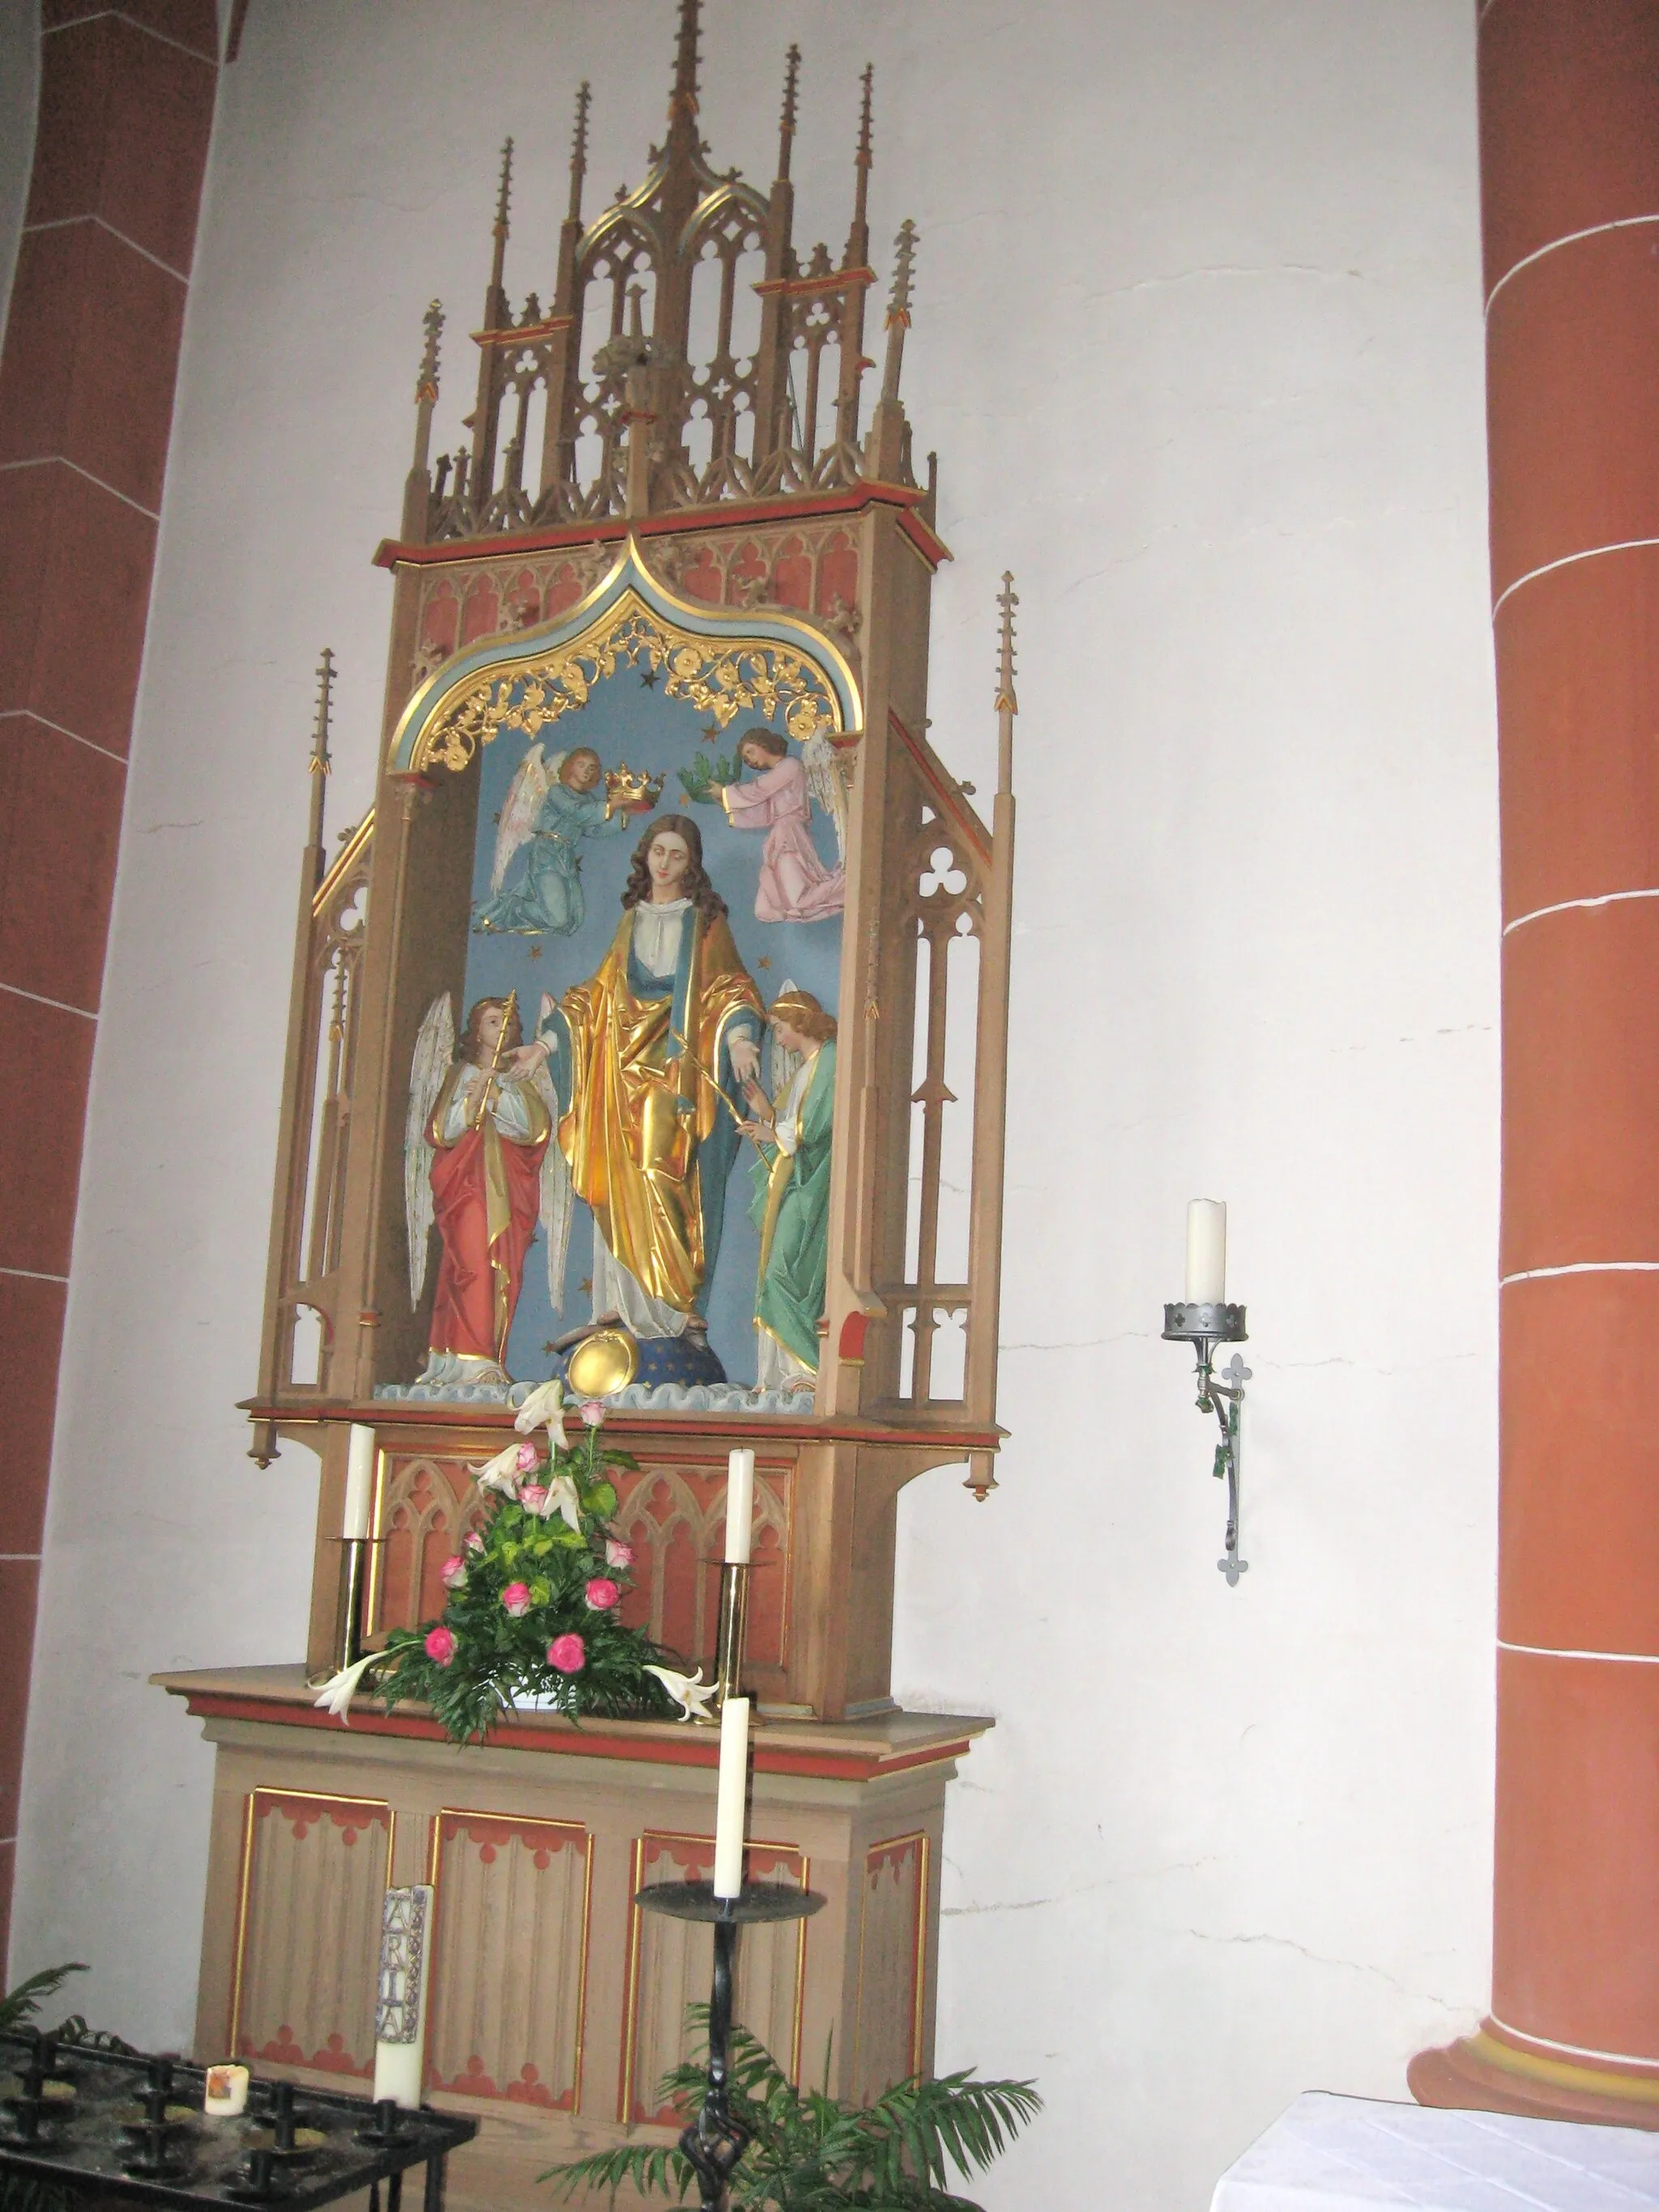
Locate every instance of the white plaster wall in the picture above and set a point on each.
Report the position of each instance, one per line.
(1198, 339)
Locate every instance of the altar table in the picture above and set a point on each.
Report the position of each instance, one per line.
(1328, 2153)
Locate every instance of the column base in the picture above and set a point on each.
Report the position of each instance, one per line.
(1484, 2073)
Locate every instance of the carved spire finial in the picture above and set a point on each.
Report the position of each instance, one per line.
(426, 384)
(786, 125)
(683, 99)
(319, 764)
(1007, 703)
(579, 150)
(898, 308)
(503, 197)
(862, 159)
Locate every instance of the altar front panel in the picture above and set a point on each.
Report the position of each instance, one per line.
(557, 2004)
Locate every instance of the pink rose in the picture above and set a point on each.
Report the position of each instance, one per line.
(617, 1555)
(532, 1497)
(452, 1573)
(529, 1457)
(474, 1540)
(516, 1599)
(569, 1654)
(602, 1594)
(440, 1645)
(593, 1413)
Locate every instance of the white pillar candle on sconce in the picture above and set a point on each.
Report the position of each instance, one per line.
(1207, 1252)
(733, 1790)
(360, 1481)
(739, 1507)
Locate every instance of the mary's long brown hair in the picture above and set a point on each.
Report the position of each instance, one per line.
(694, 884)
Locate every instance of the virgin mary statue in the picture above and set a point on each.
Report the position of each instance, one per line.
(646, 1059)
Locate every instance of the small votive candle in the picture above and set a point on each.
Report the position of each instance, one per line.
(226, 2092)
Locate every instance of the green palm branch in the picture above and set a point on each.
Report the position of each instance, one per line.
(811, 2151)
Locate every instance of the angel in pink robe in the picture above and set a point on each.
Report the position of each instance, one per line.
(794, 884)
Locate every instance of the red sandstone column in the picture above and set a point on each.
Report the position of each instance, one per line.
(1570, 177)
(86, 408)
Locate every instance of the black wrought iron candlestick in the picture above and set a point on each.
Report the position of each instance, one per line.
(714, 2141)
(1204, 1326)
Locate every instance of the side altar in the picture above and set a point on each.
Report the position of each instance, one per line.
(662, 994)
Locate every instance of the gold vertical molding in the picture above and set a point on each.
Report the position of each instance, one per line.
(630, 2002)
(241, 1921)
(377, 1507)
(919, 1985)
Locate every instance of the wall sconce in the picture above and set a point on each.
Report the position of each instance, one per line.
(1204, 1320)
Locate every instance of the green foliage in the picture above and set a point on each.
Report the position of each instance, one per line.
(498, 1656)
(20, 2005)
(705, 778)
(21, 2192)
(813, 2153)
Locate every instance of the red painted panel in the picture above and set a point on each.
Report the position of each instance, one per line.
(1578, 705)
(1581, 1088)
(60, 826)
(1569, 120)
(32, 1330)
(1577, 1875)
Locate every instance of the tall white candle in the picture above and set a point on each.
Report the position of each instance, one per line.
(1207, 1252)
(359, 1480)
(400, 2010)
(739, 1507)
(734, 1789)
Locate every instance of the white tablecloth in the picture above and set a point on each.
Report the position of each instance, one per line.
(1348, 2154)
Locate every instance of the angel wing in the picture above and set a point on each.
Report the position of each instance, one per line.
(531, 782)
(782, 1066)
(556, 1194)
(435, 1049)
(824, 781)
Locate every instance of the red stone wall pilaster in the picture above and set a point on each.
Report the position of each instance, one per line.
(1570, 178)
(87, 381)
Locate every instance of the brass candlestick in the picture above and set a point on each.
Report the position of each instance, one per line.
(733, 1634)
(348, 1635)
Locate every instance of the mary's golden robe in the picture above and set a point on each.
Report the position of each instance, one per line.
(649, 1141)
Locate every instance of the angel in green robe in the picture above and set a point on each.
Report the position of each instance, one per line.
(790, 1202)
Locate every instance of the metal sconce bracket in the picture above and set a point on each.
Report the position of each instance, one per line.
(1204, 1326)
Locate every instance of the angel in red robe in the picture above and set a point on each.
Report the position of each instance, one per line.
(488, 1134)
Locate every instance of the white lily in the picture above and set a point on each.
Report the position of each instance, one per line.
(690, 1692)
(337, 1693)
(562, 1498)
(544, 1404)
(501, 1473)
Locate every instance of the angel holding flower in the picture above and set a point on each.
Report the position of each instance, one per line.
(551, 806)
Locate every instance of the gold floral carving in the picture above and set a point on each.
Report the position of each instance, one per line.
(721, 677)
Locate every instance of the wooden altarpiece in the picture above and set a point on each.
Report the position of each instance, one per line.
(716, 534)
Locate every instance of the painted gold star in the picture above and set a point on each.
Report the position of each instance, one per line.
(648, 677)
(709, 734)
(765, 960)
(586, 1287)
(535, 951)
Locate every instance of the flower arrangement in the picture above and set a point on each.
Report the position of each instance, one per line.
(534, 1597)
